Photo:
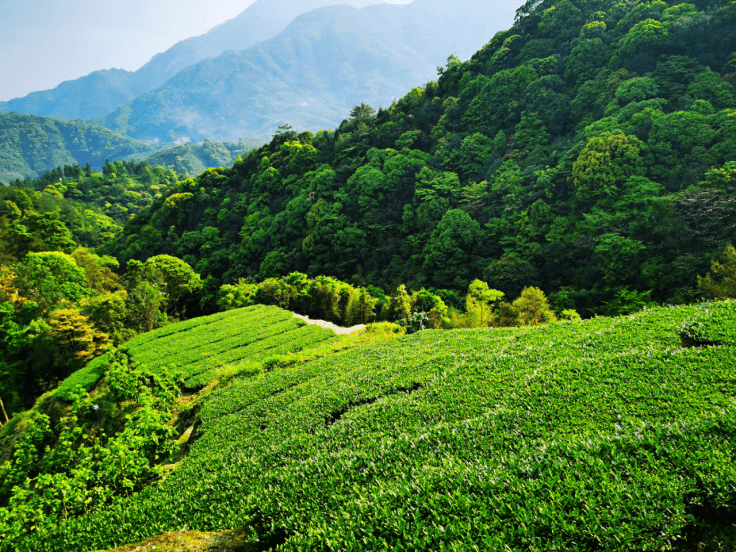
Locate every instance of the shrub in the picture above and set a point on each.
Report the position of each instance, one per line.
(720, 282)
(714, 325)
(533, 308)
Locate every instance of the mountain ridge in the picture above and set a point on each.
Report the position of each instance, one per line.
(76, 99)
(310, 75)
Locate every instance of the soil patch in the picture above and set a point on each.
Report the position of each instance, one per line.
(192, 541)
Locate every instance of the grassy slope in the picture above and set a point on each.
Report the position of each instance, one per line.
(604, 434)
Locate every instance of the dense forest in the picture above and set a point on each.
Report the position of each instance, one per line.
(60, 303)
(588, 150)
(30, 145)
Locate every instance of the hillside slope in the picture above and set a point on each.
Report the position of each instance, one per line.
(576, 151)
(31, 146)
(101, 92)
(606, 433)
(194, 159)
(97, 94)
(85, 98)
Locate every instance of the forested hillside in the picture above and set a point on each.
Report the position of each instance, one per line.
(60, 303)
(30, 146)
(194, 159)
(588, 150)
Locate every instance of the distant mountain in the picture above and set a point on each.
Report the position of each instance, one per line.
(85, 98)
(31, 146)
(194, 159)
(311, 74)
(262, 20)
(101, 92)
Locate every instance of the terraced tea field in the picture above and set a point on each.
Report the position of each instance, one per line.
(198, 349)
(603, 435)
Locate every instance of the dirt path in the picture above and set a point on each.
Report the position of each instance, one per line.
(329, 325)
(192, 541)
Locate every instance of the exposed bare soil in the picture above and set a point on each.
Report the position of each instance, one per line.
(192, 541)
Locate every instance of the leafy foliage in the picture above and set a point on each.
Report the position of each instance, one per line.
(31, 146)
(448, 439)
(589, 147)
(86, 468)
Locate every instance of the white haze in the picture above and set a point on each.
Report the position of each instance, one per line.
(46, 42)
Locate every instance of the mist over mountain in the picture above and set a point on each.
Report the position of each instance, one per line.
(103, 91)
(311, 74)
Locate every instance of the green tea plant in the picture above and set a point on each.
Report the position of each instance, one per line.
(599, 434)
(715, 324)
(202, 347)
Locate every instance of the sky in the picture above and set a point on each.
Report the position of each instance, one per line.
(45, 42)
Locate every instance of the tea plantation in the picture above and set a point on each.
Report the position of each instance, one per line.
(199, 349)
(609, 434)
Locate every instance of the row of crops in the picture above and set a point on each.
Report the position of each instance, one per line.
(195, 351)
(608, 434)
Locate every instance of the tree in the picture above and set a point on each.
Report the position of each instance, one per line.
(144, 307)
(50, 278)
(618, 259)
(98, 270)
(533, 308)
(720, 282)
(448, 256)
(362, 111)
(398, 308)
(605, 163)
(235, 296)
(109, 313)
(646, 32)
(424, 301)
(173, 277)
(480, 302)
(511, 274)
(366, 307)
(76, 336)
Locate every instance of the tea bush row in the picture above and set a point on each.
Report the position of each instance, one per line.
(605, 434)
(196, 352)
(714, 324)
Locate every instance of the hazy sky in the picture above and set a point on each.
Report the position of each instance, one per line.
(46, 42)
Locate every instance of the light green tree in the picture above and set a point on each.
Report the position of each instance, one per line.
(605, 163)
(480, 303)
(533, 308)
(50, 278)
(720, 282)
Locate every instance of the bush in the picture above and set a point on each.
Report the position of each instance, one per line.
(533, 308)
(714, 325)
(720, 282)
